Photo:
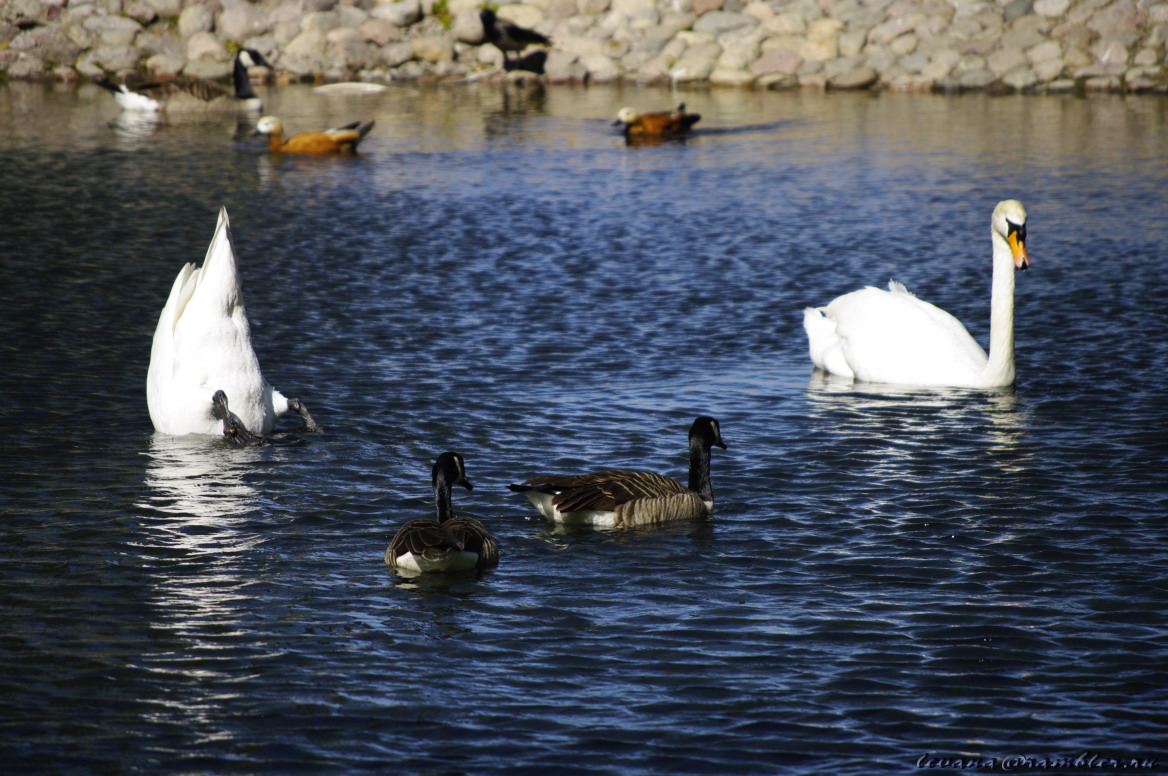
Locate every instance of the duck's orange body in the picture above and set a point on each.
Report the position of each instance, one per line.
(342, 140)
(675, 122)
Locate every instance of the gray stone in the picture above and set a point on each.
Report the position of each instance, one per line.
(209, 69)
(718, 22)
(1051, 8)
(17, 11)
(1004, 60)
(195, 18)
(592, 7)
(727, 76)
(141, 10)
(320, 21)
(305, 54)
(856, 78)
(243, 21)
(976, 79)
(600, 68)
(782, 61)
(1017, 9)
(114, 59)
(1022, 78)
(379, 31)
(467, 27)
(697, 62)
(397, 54)
(113, 30)
(401, 14)
(204, 45)
(27, 66)
(433, 48)
(164, 64)
(166, 8)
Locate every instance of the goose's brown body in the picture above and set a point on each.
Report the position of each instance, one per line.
(624, 498)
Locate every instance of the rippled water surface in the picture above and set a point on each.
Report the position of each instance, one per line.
(890, 574)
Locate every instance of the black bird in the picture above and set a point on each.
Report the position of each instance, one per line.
(508, 36)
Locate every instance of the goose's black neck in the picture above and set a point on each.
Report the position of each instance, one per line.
(699, 468)
(442, 497)
(243, 90)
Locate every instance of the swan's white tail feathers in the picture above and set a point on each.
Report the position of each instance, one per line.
(220, 273)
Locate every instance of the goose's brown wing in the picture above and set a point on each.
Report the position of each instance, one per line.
(417, 536)
(604, 491)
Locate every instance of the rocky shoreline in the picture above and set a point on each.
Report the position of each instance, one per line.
(902, 45)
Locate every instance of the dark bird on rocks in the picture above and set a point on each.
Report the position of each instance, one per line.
(508, 36)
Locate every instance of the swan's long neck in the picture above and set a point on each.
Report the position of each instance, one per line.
(999, 369)
(699, 469)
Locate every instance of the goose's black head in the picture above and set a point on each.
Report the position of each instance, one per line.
(706, 430)
(450, 468)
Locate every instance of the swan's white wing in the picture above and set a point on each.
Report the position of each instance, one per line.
(165, 411)
(894, 337)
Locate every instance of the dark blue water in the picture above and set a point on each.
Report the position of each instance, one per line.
(890, 574)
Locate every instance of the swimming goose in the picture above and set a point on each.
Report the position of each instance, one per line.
(202, 344)
(342, 140)
(619, 498)
(194, 95)
(660, 123)
(449, 543)
(508, 36)
(879, 336)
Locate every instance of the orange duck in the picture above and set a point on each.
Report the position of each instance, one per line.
(675, 122)
(342, 140)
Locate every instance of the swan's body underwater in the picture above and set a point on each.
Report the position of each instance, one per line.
(878, 336)
(202, 345)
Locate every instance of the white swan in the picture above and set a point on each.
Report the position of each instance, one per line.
(203, 345)
(878, 336)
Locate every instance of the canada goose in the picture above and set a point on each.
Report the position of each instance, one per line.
(449, 543)
(620, 498)
(233, 428)
(661, 123)
(508, 36)
(194, 95)
(879, 336)
(342, 140)
(202, 344)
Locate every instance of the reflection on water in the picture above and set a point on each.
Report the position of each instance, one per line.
(196, 485)
(936, 420)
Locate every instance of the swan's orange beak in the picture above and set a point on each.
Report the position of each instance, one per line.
(1018, 248)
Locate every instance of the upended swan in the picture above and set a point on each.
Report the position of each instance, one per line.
(202, 345)
(449, 543)
(619, 498)
(879, 336)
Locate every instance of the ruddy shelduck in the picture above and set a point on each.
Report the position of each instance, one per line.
(341, 140)
(675, 122)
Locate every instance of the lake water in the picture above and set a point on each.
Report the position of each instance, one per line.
(890, 575)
